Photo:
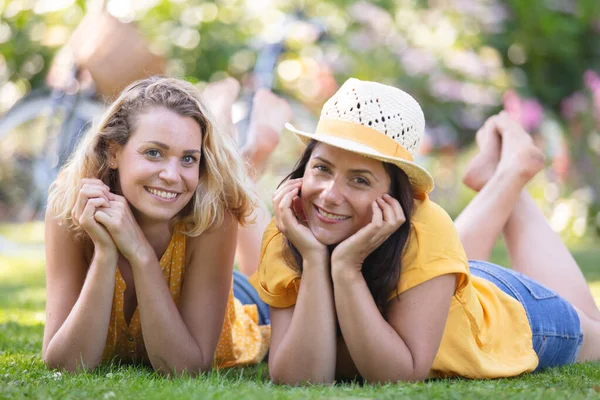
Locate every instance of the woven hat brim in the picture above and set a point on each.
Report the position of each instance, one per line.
(420, 179)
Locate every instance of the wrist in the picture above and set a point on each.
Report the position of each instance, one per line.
(316, 257)
(106, 255)
(345, 273)
(141, 256)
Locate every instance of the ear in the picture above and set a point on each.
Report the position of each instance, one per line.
(113, 152)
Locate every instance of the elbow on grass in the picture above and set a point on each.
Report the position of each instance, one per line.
(310, 379)
(415, 376)
(190, 368)
(73, 367)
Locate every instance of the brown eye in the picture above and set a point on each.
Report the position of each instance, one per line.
(153, 153)
(362, 181)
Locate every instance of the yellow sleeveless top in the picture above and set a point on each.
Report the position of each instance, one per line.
(242, 340)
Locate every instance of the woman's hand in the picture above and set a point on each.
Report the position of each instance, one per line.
(388, 217)
(119, 221)
(93, 195)
(289, 219)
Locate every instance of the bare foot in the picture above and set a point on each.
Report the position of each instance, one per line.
(481, 168)
(519, 155)
(219, 97)
(269, 115)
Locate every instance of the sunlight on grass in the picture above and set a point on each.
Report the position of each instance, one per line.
(31, 232)
(23, 317)
(24, 375)
(23, 269)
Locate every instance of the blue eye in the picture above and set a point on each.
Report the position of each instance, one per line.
(189, 159)
(321, 167)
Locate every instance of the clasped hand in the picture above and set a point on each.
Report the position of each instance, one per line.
(107, 219)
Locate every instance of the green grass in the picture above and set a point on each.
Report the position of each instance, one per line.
(23, 375)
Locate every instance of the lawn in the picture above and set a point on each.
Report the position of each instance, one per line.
(23, 375)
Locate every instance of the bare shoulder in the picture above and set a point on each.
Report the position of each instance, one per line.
(213, 240)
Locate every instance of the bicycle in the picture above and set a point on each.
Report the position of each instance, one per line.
(263, 76)
(36, 136)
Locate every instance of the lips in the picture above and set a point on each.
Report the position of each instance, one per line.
(163, 194)
(330, 216)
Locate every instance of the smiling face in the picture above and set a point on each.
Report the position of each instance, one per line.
(158, 168)
(337, 192)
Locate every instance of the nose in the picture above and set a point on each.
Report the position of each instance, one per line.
(170, 171)
(332, 192)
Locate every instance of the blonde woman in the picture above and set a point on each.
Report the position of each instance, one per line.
(140, 239)
(367, 277)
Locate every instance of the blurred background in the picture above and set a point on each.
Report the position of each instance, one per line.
(61, 61)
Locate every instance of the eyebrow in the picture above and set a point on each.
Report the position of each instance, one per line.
(166, 147)
(354, 171)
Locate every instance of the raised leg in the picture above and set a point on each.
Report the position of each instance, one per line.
(502, 206)
(590, 348)
(269, 114)
(507, 161)
(534, 248)
(219, 97)
(537, 251)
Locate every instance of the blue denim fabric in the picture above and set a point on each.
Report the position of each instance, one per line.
(246, 294)
(557, 335)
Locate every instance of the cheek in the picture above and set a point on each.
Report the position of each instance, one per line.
(365, 210)
(192, 179)
(310, 185)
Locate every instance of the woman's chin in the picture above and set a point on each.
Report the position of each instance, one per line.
(329, 238)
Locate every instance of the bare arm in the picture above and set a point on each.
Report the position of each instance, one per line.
(185, 339)
(78, 296)
(404, 348)
(303, 337)
(249, 238)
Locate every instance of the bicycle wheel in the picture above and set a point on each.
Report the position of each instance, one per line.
(28, 164)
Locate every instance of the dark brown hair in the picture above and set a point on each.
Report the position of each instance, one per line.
(381, 268)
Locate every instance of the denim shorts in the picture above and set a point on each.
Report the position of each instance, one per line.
(246, 294)
(557, 335)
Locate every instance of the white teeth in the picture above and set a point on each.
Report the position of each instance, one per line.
(162, 193)
(332, 216)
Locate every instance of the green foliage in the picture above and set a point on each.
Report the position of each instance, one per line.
(558, 45)
(456, 58)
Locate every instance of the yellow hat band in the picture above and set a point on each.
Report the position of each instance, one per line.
(364, 135)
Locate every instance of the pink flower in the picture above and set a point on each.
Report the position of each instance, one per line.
(573, 105)
(532, 114)
(592, 80)
(529, 112)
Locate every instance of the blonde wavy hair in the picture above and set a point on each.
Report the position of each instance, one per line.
(224, 185)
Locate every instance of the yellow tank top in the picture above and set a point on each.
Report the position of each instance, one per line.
(242, 340)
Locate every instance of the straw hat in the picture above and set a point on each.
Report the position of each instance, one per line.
(377, 121)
